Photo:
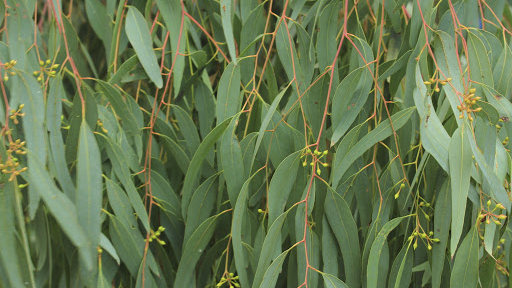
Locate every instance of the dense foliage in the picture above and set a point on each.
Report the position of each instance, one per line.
(230, 143)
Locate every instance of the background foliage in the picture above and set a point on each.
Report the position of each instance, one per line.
(220, 143)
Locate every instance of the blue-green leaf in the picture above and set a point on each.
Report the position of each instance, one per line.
(377, 250)
(140, 38)
(229, 98)
(281, 185)
(465, 267)
(89, 188)
(226, 8)
(196, 163)
(381, 132)
(345, 229)
(460, 159)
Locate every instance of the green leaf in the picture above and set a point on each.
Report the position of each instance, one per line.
(105, 244)
(481, 71)
(201, 204)
(63, 210)
(501, 71)
(56, 143)
(377, 250)
(229, 98)
(171, 11)
(121, 170)
(442, 220)
(349, 99)
(239, 213)
(460, 158)
(125, 244)
(31, 96)
(288, 54)
(445, 53)
(281, 185)
(101, 23)
(120, 203)
(465, 266)
(89, 188)
(401, 271)
(197, 161)
(231, 159)
(333, 282)
(345, 229)
(264, 123)
(497, 190)
(121, 108)
(193, 250)
(434, 137)
(177, 151)
(271, 244)
(9, 259)
(187, 129)
(140, 38)
(273, 271)
(381, 132)
(328, 30)
(226, 7)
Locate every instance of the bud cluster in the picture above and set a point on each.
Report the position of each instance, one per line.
(437, 81)
(8, 66)
(12, 164)
(16, 113)
(317, 155)
(428, 237)
(47, 69)
(467, 104)
(488, 216)
(230, 279)
(156, 234)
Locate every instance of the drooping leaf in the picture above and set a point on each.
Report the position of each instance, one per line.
(229, 99)
(377, 250)
(139, 36)
(197, 160)
(465, 267)
(459, 159)
(281, 185)
(192, 251)
(345, 230)
(381, 132)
